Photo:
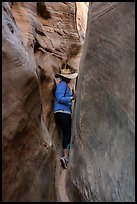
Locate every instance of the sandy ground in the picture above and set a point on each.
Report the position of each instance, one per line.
(61, 187)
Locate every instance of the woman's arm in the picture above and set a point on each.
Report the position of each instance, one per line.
(60, 93)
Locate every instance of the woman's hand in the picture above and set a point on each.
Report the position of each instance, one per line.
(74, 96)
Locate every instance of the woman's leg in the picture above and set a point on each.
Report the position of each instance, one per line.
(64, 122)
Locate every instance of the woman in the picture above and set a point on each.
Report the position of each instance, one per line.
(63, 110)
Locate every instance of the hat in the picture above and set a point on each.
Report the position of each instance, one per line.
(67, 74)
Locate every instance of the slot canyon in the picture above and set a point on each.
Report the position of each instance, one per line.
(97, 40)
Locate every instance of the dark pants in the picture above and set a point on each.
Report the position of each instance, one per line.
(64, 122)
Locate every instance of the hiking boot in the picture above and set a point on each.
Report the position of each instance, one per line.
(64, 162)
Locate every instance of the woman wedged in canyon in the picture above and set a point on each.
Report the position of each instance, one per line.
(63, 110)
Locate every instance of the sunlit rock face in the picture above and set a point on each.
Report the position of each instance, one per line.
(37, 39)
(102, 160)
(81, 19)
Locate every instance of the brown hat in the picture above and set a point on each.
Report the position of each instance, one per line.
(67, 74)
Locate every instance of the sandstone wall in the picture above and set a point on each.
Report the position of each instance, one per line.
(102, 160)
(37, 39)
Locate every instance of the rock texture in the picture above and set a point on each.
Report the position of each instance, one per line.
(102, 160)
(37, 39)
(25, 161)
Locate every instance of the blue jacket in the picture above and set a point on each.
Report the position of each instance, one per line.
(63, 97)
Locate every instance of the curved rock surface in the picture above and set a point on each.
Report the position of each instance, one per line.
(102, 161)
